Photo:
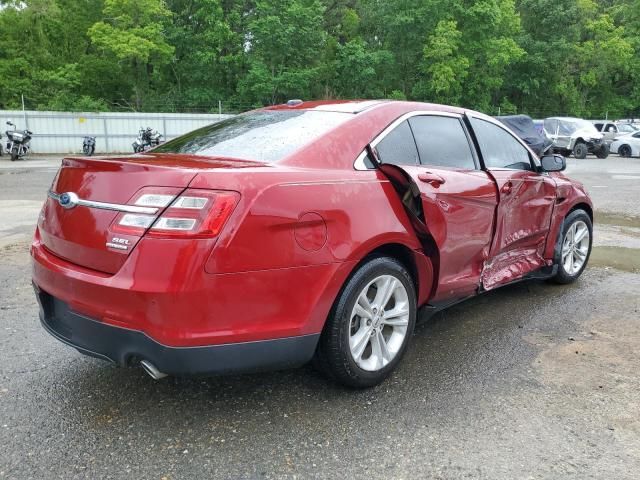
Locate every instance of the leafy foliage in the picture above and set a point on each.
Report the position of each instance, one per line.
(544, 57)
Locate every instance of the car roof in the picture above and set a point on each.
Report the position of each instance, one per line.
(563, 118)
(360, 106)
(344, 106)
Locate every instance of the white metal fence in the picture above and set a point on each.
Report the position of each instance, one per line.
(63, 132)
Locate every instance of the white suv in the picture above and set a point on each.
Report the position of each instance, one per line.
(575, 135)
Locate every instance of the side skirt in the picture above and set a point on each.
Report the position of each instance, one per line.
(427, 311)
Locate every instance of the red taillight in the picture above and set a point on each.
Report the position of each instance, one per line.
(194, 214)
(148, 197)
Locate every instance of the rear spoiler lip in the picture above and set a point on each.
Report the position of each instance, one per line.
(172, 161)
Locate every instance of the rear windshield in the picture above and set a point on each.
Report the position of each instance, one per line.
(266, 136)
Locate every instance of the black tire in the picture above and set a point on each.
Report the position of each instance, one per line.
(14, 154)
(624, 151)
(333, 355)
(580, 150)
(603, 152)
(563, 276)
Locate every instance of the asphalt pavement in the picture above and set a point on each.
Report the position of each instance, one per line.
(530, 381)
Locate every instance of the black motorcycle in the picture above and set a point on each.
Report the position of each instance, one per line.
(18, 142)
(147, 138)
(89, 145)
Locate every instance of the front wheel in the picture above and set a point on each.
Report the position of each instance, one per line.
(14, 154)
(580, 150)
(574, 247)
(370, 324)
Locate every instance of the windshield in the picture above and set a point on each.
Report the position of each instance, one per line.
(570, 126)
(626, 127)
(265, 135)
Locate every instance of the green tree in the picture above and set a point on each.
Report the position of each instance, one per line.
(134, 34)
(444, 66)
(284, 45)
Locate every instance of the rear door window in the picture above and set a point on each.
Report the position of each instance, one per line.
(442, 141)
(398, 147)
(499, 148)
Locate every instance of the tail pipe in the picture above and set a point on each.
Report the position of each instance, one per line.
(151, 369)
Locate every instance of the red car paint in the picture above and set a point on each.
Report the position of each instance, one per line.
(298, 230)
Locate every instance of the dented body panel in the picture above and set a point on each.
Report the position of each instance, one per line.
(525, 207)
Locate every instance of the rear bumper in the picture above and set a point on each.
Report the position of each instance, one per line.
(172, 300)
(125, 347)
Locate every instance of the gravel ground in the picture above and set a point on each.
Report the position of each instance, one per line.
(530, 381)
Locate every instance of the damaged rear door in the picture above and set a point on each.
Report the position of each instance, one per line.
(429, 159)
(525, 204)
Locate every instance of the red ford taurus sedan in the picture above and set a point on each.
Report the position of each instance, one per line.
(304, 231)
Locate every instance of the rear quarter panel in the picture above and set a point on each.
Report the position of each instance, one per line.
(302, 218)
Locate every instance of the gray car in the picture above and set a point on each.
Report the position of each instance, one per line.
(575, 135)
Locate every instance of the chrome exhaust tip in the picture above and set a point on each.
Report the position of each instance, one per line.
(151, 369)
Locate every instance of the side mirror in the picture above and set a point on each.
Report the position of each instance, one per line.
(553, 163)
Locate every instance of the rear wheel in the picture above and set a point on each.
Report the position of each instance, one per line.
(624, 151)
(370, 325)
(603, 152)
(580, 150)
(573, 247)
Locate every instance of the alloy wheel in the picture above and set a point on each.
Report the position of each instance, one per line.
(379, 322)
(575, 247)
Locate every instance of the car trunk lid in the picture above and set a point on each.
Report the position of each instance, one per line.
(79, 226)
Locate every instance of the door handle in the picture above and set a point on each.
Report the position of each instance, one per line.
(432, 178)
(506, 188)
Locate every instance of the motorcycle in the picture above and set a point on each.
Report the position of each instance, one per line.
(89, 145)
(147, 138)
(18, 142)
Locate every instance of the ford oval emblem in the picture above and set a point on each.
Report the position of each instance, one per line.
(68, 200)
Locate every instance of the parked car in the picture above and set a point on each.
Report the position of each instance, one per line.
(626, 128)
(306, 231)
(608, 129)
(575, 135)
(627, 145)
(525, 128)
